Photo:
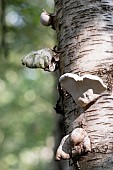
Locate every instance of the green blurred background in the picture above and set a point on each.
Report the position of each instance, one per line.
(27, 95)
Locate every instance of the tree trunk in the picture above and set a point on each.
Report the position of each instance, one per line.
(85, 38)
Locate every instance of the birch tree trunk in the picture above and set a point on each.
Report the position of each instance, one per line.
(85, 38)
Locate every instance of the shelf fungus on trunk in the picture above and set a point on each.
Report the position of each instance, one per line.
(85, 89)
(77, 143)
(64, 149)
(80, 142)
(47, 19)
(45, 58)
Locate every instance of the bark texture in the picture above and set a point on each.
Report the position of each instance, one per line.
(85, 39)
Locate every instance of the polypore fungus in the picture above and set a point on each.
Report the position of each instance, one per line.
(63, 151)
(80, 142)
(45, 18)
(45, 59)
(75, 144)
(83, 89)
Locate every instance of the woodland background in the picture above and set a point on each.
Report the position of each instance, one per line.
(27, 117)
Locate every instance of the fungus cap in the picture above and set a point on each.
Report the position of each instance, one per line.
(83, 89)
(45, 19)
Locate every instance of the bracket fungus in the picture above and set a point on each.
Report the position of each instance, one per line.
(45, 58)
(45, 18)
(64, 149)
(80, 142)
(85, 89)
(75, 144)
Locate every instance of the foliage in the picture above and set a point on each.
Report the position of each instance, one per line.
(26, 95)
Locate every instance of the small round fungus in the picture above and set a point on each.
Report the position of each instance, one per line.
(45, 19)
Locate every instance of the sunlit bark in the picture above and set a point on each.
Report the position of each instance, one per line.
(85, 38)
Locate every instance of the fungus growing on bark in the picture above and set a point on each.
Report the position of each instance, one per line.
(45, 18)
(83, 89)
(64, 149)
(45, 58)
(75, 144)
(80, 142)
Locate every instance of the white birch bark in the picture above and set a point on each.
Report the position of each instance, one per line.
(85, 38)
